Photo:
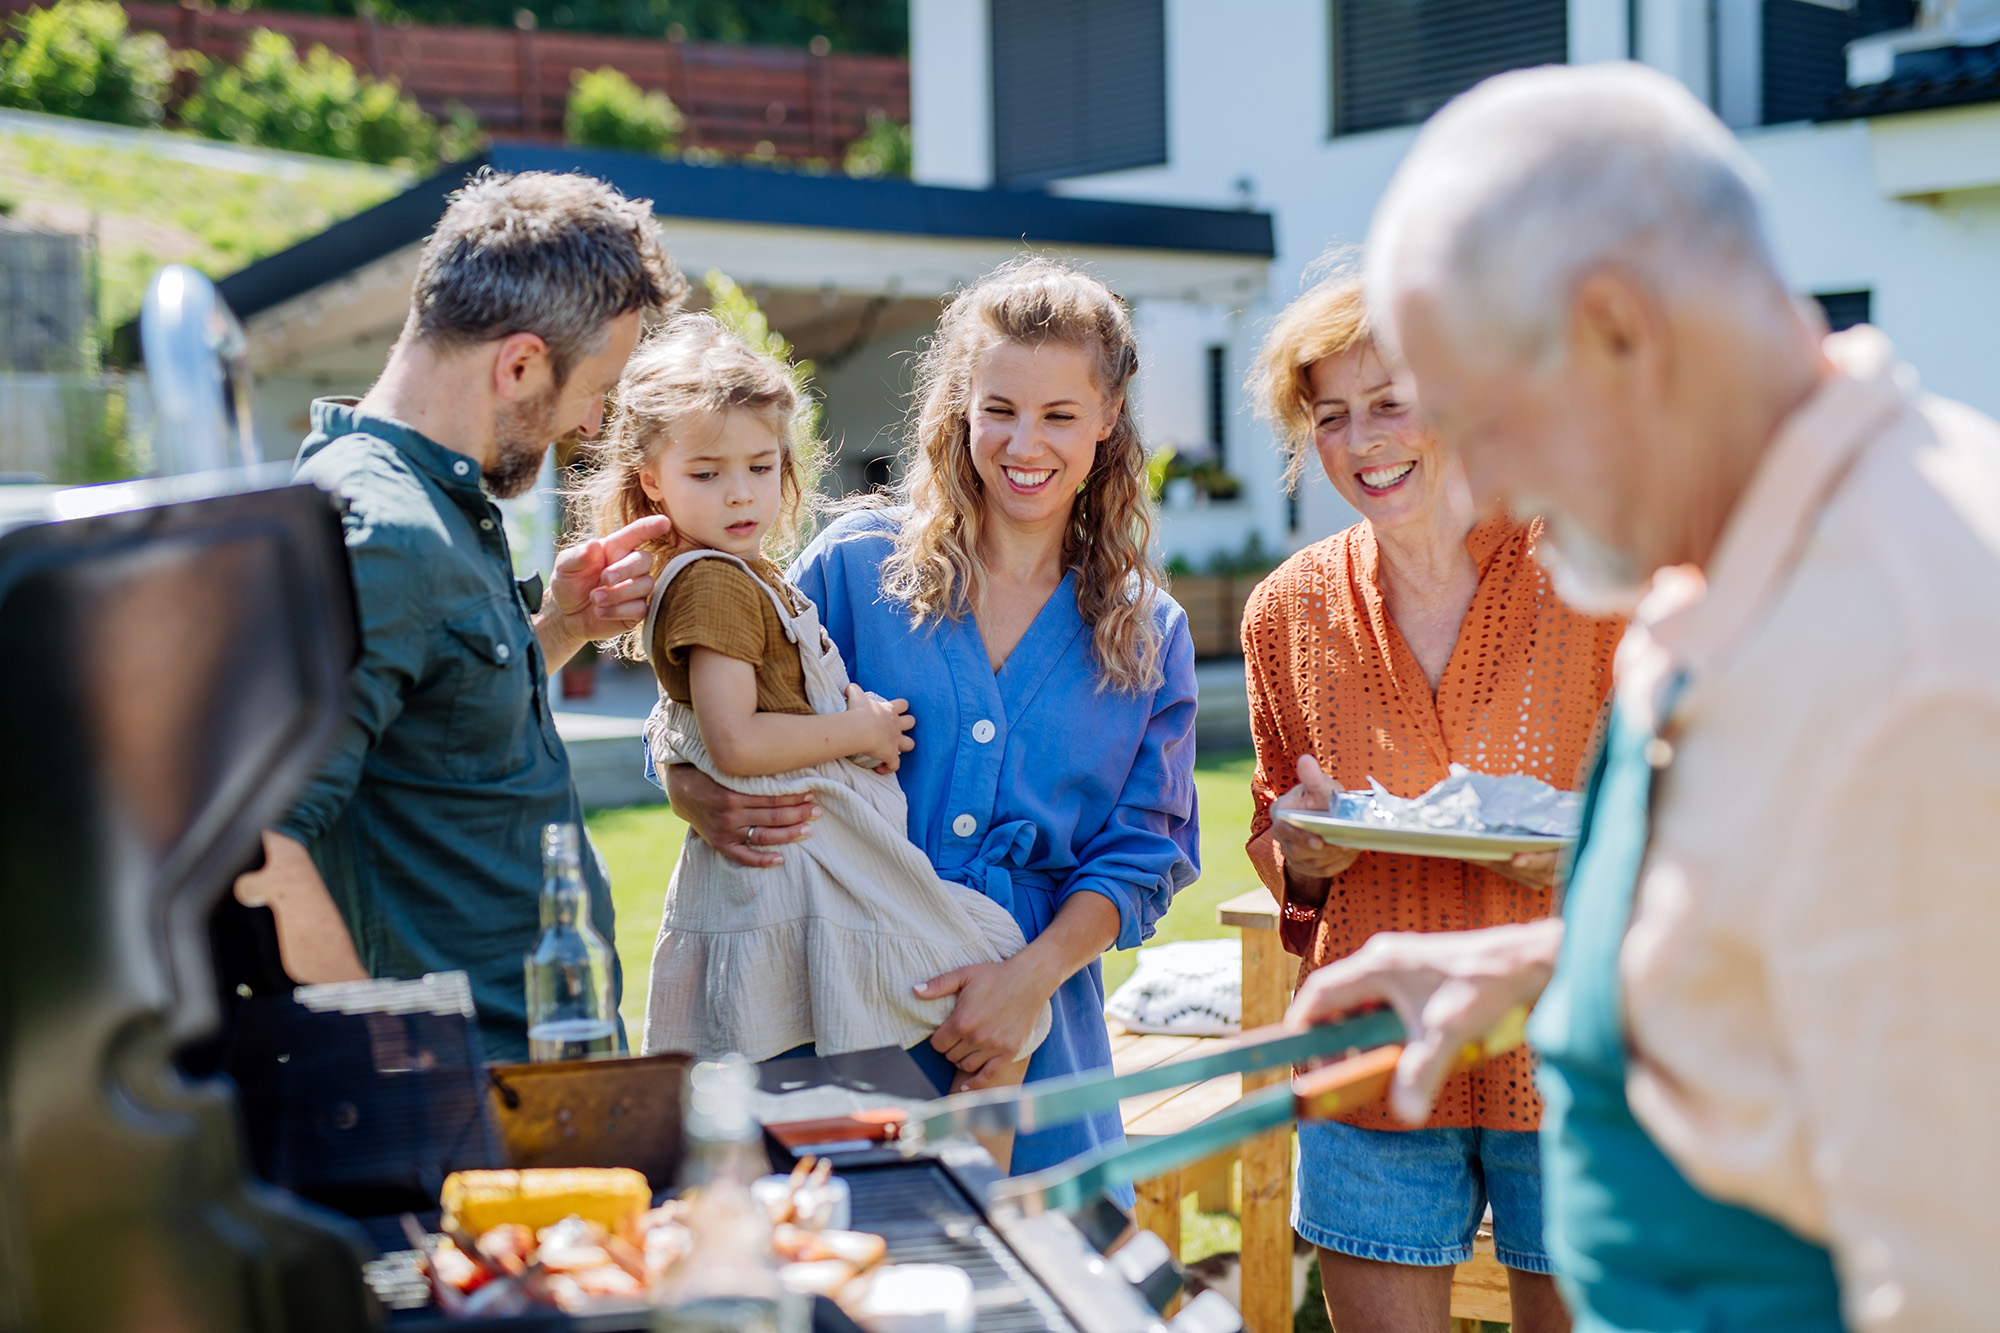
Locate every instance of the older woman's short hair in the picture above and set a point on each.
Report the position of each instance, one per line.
(1518, 189)
(1329, 319)
(557, 255)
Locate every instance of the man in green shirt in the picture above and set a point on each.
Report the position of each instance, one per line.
(416, 846)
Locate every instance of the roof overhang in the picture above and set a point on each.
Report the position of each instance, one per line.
(332, 303)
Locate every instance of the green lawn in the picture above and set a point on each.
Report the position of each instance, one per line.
(641, 844)
(148, 209)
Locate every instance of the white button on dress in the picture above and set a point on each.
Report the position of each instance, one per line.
(461, 467)
(982, 731)
(964, 826)
(502, 651)
(486, 525)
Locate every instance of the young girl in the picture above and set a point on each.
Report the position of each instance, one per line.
(828, 947)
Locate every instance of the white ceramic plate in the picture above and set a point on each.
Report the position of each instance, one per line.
(1421, 842)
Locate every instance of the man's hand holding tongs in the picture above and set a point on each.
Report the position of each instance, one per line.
(1459, 994)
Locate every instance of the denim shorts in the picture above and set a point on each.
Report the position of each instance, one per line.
(1416, 1196)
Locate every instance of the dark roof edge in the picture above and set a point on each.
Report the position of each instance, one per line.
(347, 245)
(752, 195)
(1888, 98)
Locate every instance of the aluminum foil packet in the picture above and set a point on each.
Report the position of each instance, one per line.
(1469, 802)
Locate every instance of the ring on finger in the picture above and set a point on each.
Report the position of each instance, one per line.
(750, 835)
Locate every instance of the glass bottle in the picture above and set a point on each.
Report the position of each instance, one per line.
(728, 1283)
(570, 1016)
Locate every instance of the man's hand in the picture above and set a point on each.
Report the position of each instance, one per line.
(1306, 854)
(1450, 989)
(313, 943)
(746, 829)
(598, 589)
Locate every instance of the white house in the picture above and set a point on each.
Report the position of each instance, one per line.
(1877, 121)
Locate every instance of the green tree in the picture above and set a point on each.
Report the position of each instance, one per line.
(607, 110)
(316, 105)
(883, 149)
(78, 58)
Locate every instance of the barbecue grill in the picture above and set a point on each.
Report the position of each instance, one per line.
(171, 667)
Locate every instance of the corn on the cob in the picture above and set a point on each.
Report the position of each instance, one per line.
(476, 1201)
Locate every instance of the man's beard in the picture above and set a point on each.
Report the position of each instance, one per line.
(522, 436)
(1593, 577)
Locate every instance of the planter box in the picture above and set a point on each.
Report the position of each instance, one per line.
(1214, 606)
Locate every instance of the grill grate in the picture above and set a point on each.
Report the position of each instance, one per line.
(928, 1220)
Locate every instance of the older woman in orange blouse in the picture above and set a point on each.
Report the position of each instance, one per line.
(1416, 639)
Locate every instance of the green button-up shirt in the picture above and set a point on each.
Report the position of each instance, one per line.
(426, 818)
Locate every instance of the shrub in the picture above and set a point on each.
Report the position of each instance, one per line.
(77, 58)
(883, 149)
(316, 105)
(608, 110)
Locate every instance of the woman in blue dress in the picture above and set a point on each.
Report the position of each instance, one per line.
(1009, 595)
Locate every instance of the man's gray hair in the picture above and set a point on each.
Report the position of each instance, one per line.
(1519, 188)
(558, 256)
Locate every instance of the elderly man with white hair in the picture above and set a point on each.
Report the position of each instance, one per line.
(1767, 1017)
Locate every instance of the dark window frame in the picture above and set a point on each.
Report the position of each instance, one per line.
(1341, 117)
(1112, 124)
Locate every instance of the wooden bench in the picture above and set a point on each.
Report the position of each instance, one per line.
(1479, 1288)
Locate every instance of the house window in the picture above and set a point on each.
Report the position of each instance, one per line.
(1218, 403)
(1844, 309)
(1079, 86)
(1805, 49)
(1396, 61)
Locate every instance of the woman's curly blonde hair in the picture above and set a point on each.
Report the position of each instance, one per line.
(935, 568)
(1330, 318)
(681, 378)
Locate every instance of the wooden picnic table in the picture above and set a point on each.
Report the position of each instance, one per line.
(1479, 1289)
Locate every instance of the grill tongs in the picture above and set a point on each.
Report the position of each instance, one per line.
(1364, 1049)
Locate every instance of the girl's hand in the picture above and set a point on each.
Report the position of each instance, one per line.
(997, 1007)
(746, 829)
(1306, 855)
(885, 723)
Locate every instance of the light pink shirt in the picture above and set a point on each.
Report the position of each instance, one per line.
(1812, 974)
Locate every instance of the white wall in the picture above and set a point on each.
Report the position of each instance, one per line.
(1248, 99)
(951, 101)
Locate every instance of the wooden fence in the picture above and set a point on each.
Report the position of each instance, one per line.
(736, 99)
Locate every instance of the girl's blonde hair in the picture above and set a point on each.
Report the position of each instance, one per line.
(684, 375)
(1329, 319)
(934, 567)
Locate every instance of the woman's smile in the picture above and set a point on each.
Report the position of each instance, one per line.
(1028, 480)
(1384, 479)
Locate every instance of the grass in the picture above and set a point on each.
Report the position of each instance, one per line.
(640, 846)
(149, 209)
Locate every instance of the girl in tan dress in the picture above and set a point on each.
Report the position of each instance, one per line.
(825, 949)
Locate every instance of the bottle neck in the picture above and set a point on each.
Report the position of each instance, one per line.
(564, 898)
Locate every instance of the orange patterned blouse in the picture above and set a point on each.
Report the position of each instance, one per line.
(1329, 675)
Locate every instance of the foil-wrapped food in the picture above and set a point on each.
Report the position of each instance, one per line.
(1469, 802)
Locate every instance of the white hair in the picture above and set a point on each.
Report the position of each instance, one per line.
(1518, 189)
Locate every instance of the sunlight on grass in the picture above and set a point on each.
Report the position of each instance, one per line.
(640, 846)
(148, 209)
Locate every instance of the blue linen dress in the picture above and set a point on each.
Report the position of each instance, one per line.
(1029, 784)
